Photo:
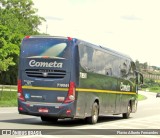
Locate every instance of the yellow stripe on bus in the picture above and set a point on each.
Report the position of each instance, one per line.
(44, 88)
(104, 91)
(77, 89)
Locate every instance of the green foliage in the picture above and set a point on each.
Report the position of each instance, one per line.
(7, 49)
(154, 89)
(141, 97)
(151, 83)
(141, 66)
(17, 19)
(8, 98)
(20, 16)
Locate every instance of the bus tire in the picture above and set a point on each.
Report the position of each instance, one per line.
(94, 114)
(48, 119)
(127, 115)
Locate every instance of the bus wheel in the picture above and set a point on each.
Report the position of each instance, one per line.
(49, 119)
(94, 114)
(127, 115)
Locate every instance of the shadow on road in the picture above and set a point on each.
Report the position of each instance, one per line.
(60, 122)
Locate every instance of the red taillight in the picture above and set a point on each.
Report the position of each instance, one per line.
(71, 93)
(20, 94)
(19, 86)
(69, 38)
(20, 108)
(68, 112)
(27, 37)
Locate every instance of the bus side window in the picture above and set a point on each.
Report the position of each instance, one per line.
(90, 54)
(108, 64)
(108, 71)
(83, 55)
(86, 57)
(115, 65)
(124, 68)
(99, 62)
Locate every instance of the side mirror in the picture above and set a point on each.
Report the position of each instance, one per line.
(139, 78)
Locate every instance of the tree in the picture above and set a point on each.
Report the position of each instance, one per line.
(20, 16)
(7, 49)
(138, 65)
(17, 19)
(145, 65)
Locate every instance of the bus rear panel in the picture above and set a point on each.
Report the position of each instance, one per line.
(45, 86)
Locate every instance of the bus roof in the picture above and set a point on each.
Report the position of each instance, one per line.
(46, 36)
(116, 52)
(96, 46)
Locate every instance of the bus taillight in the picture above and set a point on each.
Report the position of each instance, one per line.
(71, 93)
(20, 94)
(69, 38)
(27, 36)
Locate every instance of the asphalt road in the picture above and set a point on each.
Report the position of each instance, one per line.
(146, 117)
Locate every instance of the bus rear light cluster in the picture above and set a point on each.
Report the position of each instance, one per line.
(27, 37)
(20, 94)
(20, 108)
(68, 112)
(69, 38)
(71, 93)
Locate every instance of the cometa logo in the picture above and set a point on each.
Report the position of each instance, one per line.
(54, 64)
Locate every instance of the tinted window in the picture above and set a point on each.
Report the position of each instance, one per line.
(87, 57)
(51, 47)
(93, 60)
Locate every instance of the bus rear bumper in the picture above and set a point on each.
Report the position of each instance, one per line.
(52, 110)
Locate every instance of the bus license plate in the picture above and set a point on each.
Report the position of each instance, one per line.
(43, 110)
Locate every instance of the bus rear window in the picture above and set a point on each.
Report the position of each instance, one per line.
(50, 47)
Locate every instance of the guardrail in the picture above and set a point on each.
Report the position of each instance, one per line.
(152, 76)
(8, 88)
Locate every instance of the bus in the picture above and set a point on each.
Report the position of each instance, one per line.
(65, 77)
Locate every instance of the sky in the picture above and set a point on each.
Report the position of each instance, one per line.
(131, 27)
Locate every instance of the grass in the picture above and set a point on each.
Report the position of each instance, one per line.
(154, 89)
(141, 97)
(8, 99)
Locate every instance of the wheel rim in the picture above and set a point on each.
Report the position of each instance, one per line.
(129, 110)
(95, 114)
